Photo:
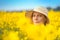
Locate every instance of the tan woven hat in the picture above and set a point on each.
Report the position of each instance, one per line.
(41, 10)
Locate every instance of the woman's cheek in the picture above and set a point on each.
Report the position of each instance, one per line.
(40, 19)
(33, 19)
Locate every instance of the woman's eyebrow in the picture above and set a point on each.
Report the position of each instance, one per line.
(40, 14)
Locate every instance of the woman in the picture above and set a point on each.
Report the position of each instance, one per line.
(38, 15)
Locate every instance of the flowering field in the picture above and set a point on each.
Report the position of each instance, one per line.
(15, 26)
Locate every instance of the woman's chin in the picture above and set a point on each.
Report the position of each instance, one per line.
(36, 23)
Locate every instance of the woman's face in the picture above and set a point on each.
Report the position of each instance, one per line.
(37, 18)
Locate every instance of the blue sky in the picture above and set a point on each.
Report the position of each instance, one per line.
(27, 4)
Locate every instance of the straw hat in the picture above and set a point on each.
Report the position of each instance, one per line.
(41, 10)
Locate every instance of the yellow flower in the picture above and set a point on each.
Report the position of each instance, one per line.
(11, 36)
